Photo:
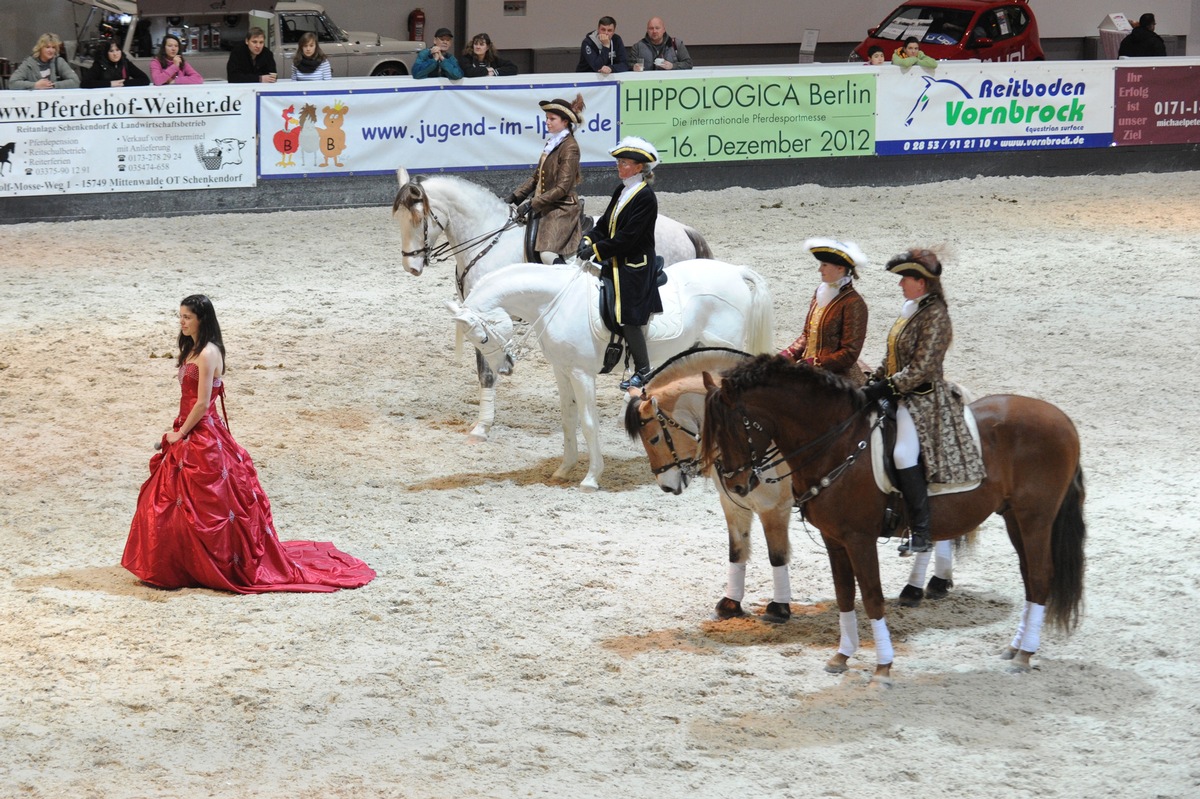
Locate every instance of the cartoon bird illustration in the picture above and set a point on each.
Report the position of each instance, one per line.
(287, 141)
(333, 138)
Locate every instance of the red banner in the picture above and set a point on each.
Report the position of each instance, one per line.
(1156, 105)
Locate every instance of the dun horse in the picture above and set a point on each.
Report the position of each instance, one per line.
(821, 426)
(667, 416)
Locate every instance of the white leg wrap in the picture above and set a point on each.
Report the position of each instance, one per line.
(916, 577)
(883, 642)
(735, 588)
(1016, 641)
(783, 584)
(848, 622)
(943, 560)
(487, 406)
(1032, 638)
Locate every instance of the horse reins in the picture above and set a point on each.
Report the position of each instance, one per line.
(689, 466)
(446, 250)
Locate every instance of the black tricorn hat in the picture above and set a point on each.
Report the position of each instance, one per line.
(916, 263)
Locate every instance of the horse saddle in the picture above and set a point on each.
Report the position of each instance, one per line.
(883, 442)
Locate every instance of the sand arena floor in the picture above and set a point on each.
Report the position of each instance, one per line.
(525, 639)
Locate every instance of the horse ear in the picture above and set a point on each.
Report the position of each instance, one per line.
(709, 383)
(402, 175)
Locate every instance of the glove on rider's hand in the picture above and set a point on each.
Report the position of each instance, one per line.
(880, 389)
(585, 253)
(523, 209)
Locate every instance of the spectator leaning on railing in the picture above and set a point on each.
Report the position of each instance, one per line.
(45, 69)
(658, 50)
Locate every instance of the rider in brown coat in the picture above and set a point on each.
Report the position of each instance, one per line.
(836, 324)
(548, 197)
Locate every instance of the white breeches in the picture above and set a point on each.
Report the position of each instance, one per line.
(907, 453)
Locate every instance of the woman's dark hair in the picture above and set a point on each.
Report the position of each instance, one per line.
(101, 51)
(305, 38)
(209, 332)
(911, 40)
(163, 61)
(489, 57)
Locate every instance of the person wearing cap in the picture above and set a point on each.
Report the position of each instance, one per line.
(1143, 42)
(622, 242)
(548, 199)
(930, 429)
(481, 60)
(836, 325)
(437, 61)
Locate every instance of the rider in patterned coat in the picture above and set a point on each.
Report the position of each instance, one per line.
(929, 415)
(549, 194)
(836, 325)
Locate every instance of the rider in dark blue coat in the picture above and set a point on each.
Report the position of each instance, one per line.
(622, 242)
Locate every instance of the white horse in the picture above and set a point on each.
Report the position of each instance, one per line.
(482, 238)
(705, 303)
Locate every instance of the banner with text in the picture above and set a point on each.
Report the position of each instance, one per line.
(753, 117)
(1157, 105)
(422, 125)
(969, 107)
(116, 140)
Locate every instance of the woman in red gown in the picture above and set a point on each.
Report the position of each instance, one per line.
(202, 518)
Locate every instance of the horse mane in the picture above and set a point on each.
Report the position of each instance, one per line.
(694, 361)
(418, 186)
(766, 371)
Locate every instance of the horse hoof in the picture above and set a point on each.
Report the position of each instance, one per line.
(777, 612)
(881, 682)
(1008, 653)
(938, 588)
(838, 664)
(478, 435)
(729, 609)
(911, 596)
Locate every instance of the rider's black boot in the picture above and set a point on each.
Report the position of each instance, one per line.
(916, 498)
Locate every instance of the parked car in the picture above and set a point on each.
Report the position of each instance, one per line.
(139, 26)
(987, 30)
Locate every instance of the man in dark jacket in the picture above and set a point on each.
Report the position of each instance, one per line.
(251, 62)
(602, 50)
(1143, 42)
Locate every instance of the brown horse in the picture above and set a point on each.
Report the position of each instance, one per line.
(820, 425)
(667, 415)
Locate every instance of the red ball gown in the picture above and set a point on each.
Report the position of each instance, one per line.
(203, 519)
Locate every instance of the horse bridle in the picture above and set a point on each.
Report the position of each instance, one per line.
(445, 250)
(688, 466)
(758, 466)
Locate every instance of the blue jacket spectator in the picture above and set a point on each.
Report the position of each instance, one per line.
(602, 50)
(438, 61)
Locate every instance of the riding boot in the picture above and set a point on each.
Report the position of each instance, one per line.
(635, 340)
(916, 498)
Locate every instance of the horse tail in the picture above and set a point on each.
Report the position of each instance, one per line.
(760, 326)
(1066, 553)
(698, 242)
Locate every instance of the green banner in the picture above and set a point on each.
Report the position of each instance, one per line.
(744, 118)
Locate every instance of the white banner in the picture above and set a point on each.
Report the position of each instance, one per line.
(963, 107)
(354, 127)
(84, 141)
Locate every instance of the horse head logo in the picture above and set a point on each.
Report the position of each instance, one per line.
(923, 99)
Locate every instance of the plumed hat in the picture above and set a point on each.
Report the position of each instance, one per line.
(916, 263)
(636, 149)
(839, 253)
(570, 111)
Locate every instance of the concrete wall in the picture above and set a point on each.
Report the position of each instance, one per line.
(553, 24)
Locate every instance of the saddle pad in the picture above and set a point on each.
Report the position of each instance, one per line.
(665, 325)
(881, 478)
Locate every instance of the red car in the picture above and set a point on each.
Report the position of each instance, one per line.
(989, 30)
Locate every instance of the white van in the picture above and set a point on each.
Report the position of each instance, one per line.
(139, 26)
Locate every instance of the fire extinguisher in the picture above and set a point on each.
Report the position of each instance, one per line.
(416, 25)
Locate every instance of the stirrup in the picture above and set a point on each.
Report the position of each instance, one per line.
(636, 380)
(915, 544)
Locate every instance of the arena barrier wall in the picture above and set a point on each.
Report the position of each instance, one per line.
(225, 147)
